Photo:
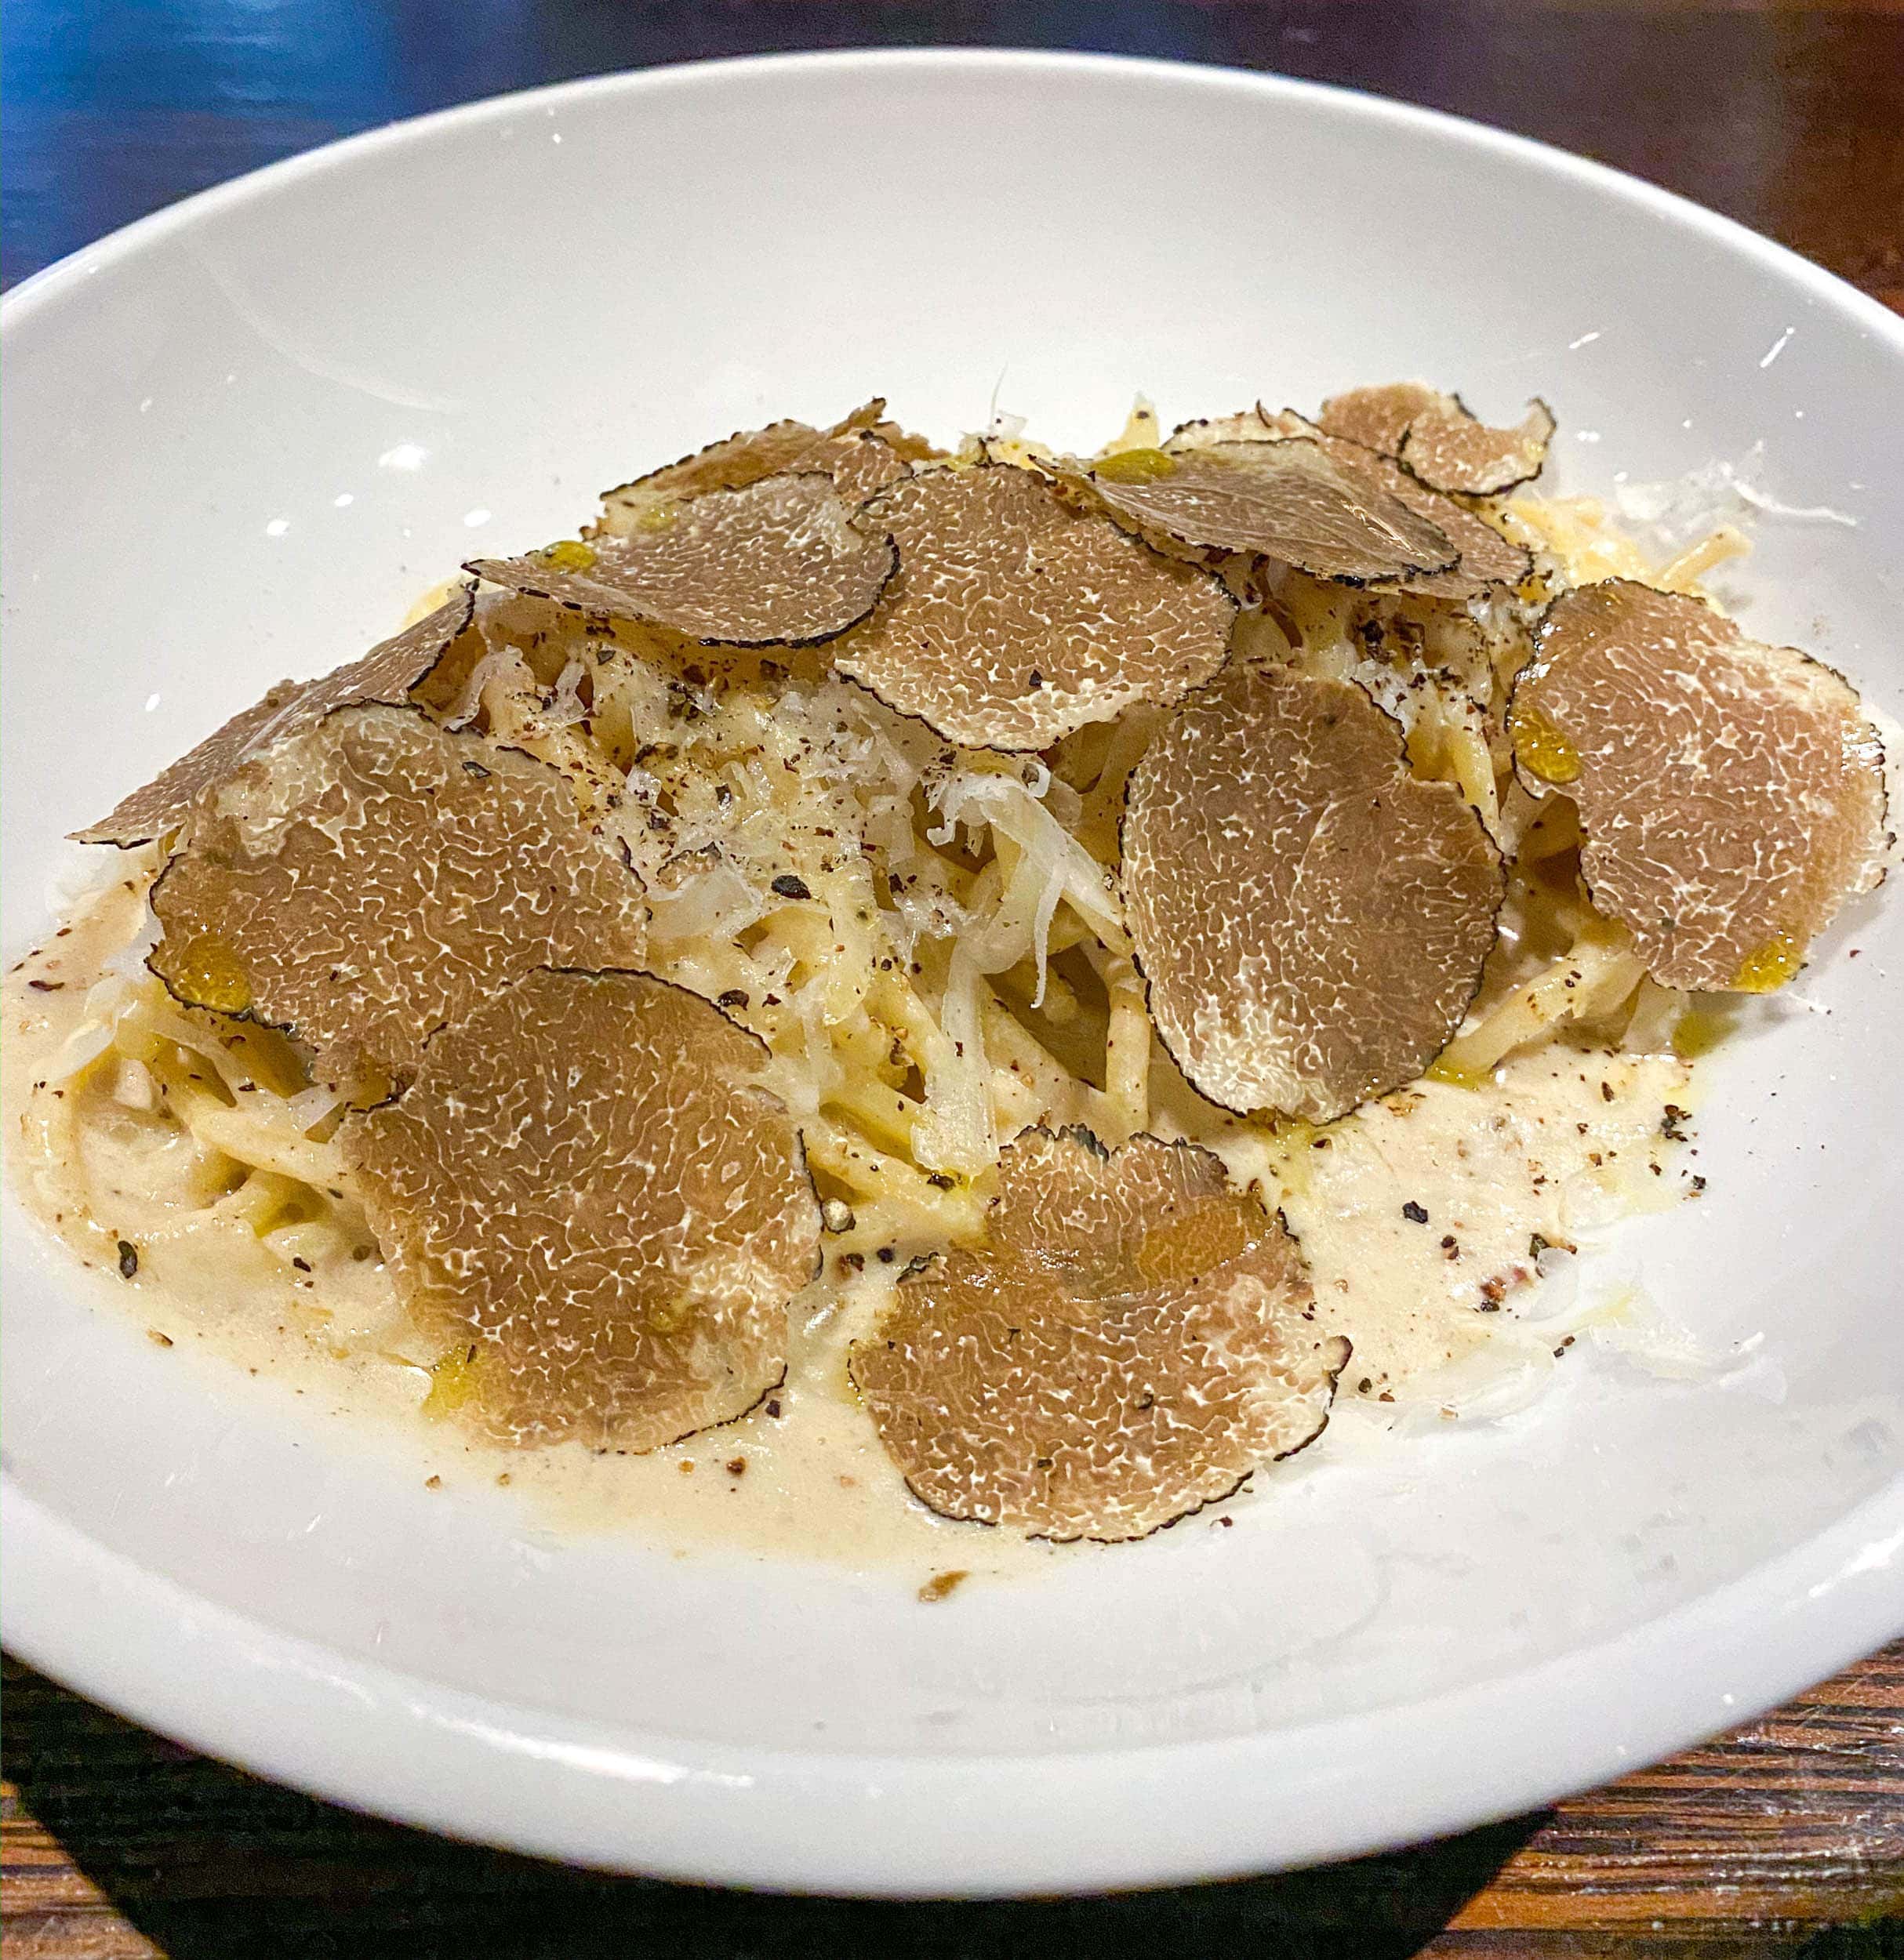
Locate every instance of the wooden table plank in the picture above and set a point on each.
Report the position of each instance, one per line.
(1787, 1837)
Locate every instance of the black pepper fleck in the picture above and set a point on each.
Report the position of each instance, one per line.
(1414, 1212)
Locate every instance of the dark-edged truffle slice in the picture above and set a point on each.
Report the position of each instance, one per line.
(1311, 919)
(1484, 558)
(1136, 1338)
(1285, 500)
(778, 563)
(862, 453)
(372, 876)
(1487, 560)
(1377, 417)
(586, 1184)
(387, 673)
(1437, 438)
(1014, 618)
(1450, 449)
(1731, 794)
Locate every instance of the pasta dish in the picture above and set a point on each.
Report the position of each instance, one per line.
(1027, 977)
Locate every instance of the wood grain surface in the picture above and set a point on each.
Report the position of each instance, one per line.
(1786, 1838)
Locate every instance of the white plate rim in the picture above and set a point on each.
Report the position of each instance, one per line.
(376, 1740)
(413, 1750)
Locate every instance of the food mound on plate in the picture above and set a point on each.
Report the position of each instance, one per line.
(1043, 973)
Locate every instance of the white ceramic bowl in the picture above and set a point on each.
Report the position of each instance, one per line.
(241, 436)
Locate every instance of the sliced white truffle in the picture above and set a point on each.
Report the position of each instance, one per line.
(587, 1185)
(1311, 918)
(387, 673)
(778, 563)
(1135, 1339)
(1437, 438)
(1731, 794)
(1014, 618)
(1288, 500)
(373, 876)
(862, 453)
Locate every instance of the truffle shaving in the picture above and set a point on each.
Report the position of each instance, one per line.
(1311, 918)
(1485, 559)
(1378, 417)
(1014, 618)
(373, 876)
(387, 673)
(1730, 794)
(585, 1185)
(1438, 439)
(778, 563)
(1134, 1340)
(1449, 449)
(1286, 500)
(861, 452)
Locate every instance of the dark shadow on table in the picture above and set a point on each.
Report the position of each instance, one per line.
(1883, 1939)
(212, 1865)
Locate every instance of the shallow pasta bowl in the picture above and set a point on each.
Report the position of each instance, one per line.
(243, 435)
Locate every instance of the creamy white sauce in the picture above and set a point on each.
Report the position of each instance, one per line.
(1563, 1135)
(1563, 1139)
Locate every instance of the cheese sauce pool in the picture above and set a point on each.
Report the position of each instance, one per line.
(1423, 1217)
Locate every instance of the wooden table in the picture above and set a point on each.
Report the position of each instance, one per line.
(1787, 1837)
